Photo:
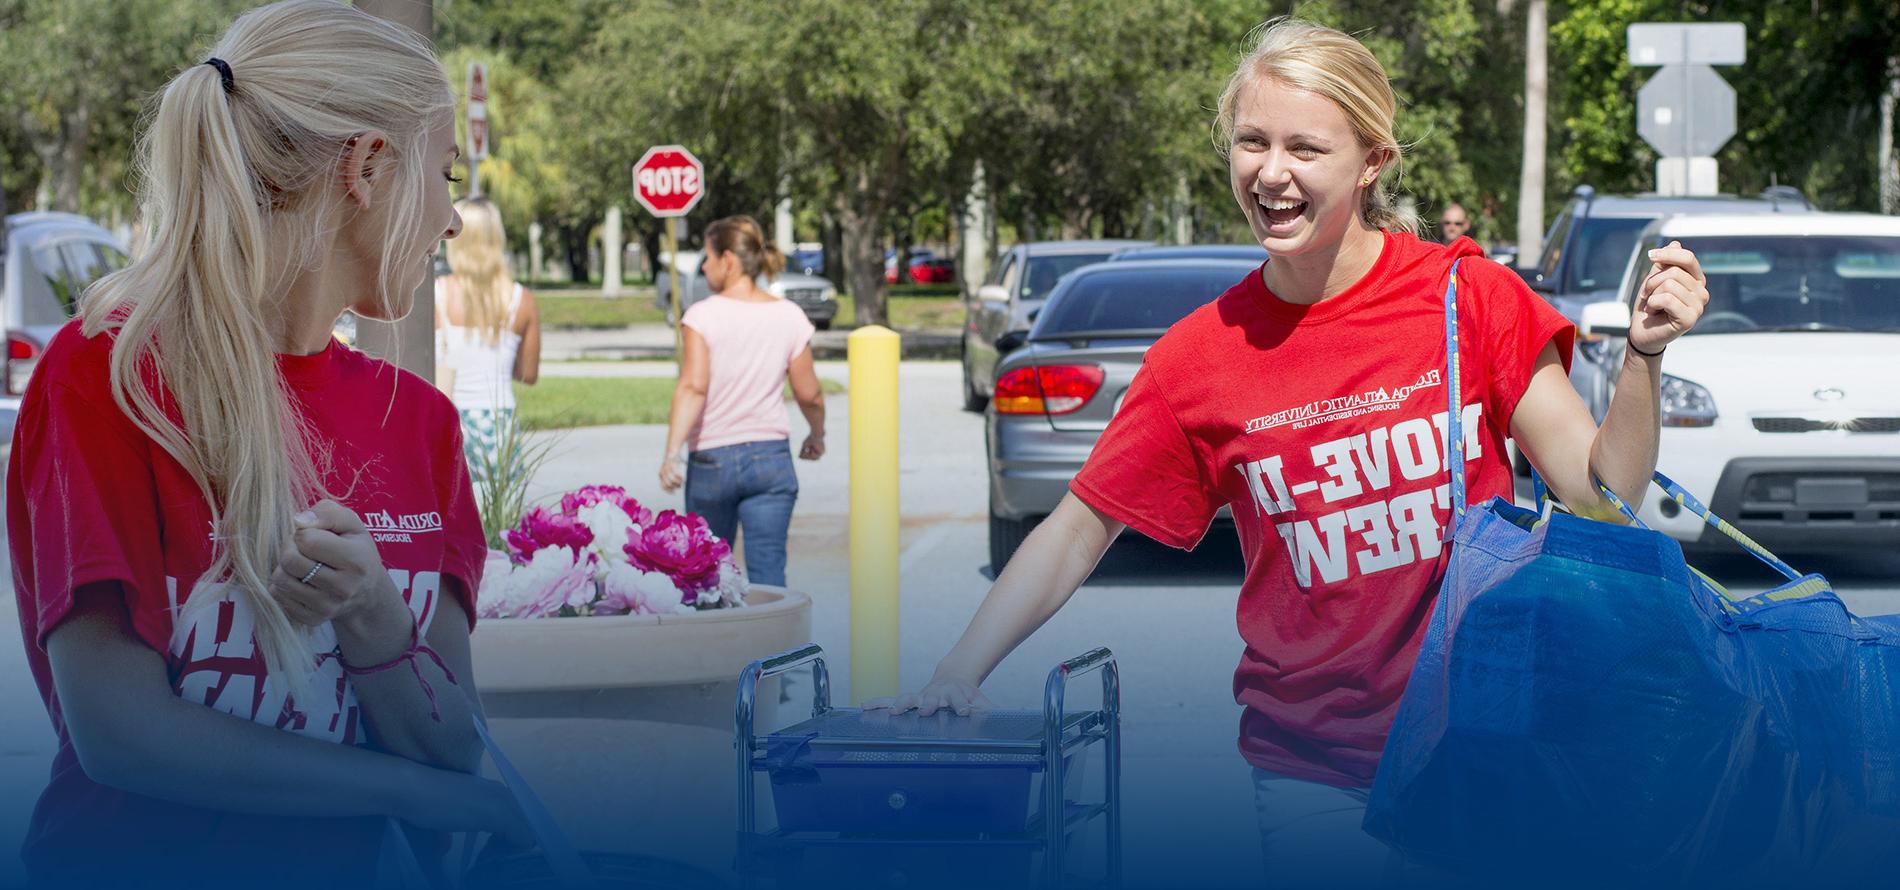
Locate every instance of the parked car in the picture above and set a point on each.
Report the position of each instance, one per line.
(1588, 243)
(46, 262)
(926, 267)
(1253, 253)
(936, 270)
(1019, 280)
(817, 296)
(1780, 407)
(806, 257)
(1055, 394)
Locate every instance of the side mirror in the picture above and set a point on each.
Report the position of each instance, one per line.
(992, 293)
(1011, 342)
(1033, 313)
(1607, 319)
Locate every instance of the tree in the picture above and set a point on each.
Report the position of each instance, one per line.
(74, 77)
(1806, 99)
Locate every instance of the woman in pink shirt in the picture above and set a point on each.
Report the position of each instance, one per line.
(740, 346)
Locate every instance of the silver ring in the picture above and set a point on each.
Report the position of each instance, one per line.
(314, 569)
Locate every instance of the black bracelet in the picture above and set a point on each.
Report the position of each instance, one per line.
(1655, 354)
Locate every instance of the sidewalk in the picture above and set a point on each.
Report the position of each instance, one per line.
(649, 341)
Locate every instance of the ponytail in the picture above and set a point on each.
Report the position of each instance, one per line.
(742, 237)
(235, 197)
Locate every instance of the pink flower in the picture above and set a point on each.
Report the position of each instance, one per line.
(680, 547)
(588, 495)
(542, 528)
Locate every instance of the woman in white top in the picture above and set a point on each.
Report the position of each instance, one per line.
(487, 333)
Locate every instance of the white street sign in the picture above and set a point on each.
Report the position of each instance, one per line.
(1712, 43)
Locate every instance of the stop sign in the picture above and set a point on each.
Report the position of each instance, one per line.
(668, 180)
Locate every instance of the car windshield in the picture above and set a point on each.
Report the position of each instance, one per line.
(1136, 300)
(1797, 283)
(1045, 271)
(1602, 247)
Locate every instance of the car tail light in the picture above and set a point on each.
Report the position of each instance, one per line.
(23, 352)
(1049, 389)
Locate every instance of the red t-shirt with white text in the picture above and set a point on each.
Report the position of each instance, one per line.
(91, 498)
(1324, 428)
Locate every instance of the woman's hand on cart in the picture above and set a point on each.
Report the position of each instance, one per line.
(942, 693)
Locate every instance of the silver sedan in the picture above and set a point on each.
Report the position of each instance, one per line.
(1057, 390)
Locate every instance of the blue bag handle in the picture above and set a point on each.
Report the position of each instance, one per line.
(1454, 399)
(1454, 428)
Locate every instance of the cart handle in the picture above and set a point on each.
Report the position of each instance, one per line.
(765, 668)
(1054, 690)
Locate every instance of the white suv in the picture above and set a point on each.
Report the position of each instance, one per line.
(1781, 409)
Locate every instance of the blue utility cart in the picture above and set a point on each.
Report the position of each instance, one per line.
(871, 798)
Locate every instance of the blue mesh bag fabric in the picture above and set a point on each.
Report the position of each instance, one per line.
(1586, 708)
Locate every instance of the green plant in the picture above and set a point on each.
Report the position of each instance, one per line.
(502, 474)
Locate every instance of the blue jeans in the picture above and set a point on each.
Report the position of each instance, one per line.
(750, 485)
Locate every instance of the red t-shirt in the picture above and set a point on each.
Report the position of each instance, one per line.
(91, 498)
(1323, 427)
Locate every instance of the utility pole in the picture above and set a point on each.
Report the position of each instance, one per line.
(411, 341)
(1530, 182)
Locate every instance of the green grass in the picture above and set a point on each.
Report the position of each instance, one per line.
(910, 306)
(925, 290)
(563, 402)
(910, 312)
(581, 309)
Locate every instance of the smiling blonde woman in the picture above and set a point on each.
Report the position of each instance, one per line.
(1336, 473)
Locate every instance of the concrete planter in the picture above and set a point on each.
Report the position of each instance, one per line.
(624, 724)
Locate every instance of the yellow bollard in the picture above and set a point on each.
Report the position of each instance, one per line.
(873, 354)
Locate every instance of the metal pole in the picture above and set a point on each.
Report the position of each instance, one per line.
(671, 246)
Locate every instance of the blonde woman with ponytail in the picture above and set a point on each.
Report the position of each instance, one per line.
(488, 331)
(246, 555)
(1308, 400)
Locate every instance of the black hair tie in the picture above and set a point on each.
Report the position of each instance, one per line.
(224, 73)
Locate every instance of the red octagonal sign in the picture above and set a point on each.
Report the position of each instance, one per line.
(668, 180)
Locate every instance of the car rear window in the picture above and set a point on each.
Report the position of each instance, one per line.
(1045, 271)
(1139, 300)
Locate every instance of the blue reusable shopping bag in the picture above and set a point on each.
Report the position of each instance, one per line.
(1587, 708)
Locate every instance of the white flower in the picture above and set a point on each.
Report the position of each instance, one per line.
(733, 585)
(631, 591)
(610, 525)
(540, 588)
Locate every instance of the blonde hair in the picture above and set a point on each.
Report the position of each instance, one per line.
(237, 192)
(1328, 63)
(478, 258)
(742, 237)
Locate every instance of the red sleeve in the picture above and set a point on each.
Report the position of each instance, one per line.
(83, 508)
(465, 551)
(1145, 471)
(1517, 323)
